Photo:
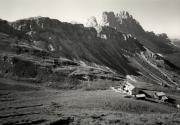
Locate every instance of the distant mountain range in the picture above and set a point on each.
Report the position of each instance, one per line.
(115, 41)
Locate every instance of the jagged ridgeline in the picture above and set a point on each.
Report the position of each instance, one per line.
(111, 47)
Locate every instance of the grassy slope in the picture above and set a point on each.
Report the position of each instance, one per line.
(174, 58)
(78, 42)
(45, 105)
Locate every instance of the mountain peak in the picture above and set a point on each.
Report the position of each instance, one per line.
(112, 19)
(125, 23)
(124, 15)
(92, 22)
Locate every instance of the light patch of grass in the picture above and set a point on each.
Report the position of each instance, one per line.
(99, 84)
(110, 100)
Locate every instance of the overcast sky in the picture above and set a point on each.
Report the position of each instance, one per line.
(154, 15)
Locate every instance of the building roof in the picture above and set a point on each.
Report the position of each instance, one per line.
(160, 94)
(140, 95)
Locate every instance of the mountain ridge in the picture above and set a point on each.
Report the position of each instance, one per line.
(124, 22)
(123, 52)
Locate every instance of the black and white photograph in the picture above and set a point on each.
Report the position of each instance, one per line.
(89, 62)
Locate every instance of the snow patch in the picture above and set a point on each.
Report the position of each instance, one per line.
(129, 35)
(103, 36)
(129, 77)
(124, 37)
(83, 64)
(160, 55)
(51, 47)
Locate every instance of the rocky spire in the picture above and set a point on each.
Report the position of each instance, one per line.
(108, 19)
(121, 21)
(92, 22)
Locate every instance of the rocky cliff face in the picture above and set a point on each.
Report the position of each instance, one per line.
(6, 28)
(77, 42)
(124, 22)
(115, 43)
(22, 59)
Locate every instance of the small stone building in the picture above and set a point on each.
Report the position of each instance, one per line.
(130, 89)
(161, 96)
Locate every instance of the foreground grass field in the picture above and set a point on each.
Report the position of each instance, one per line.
(23, 104)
